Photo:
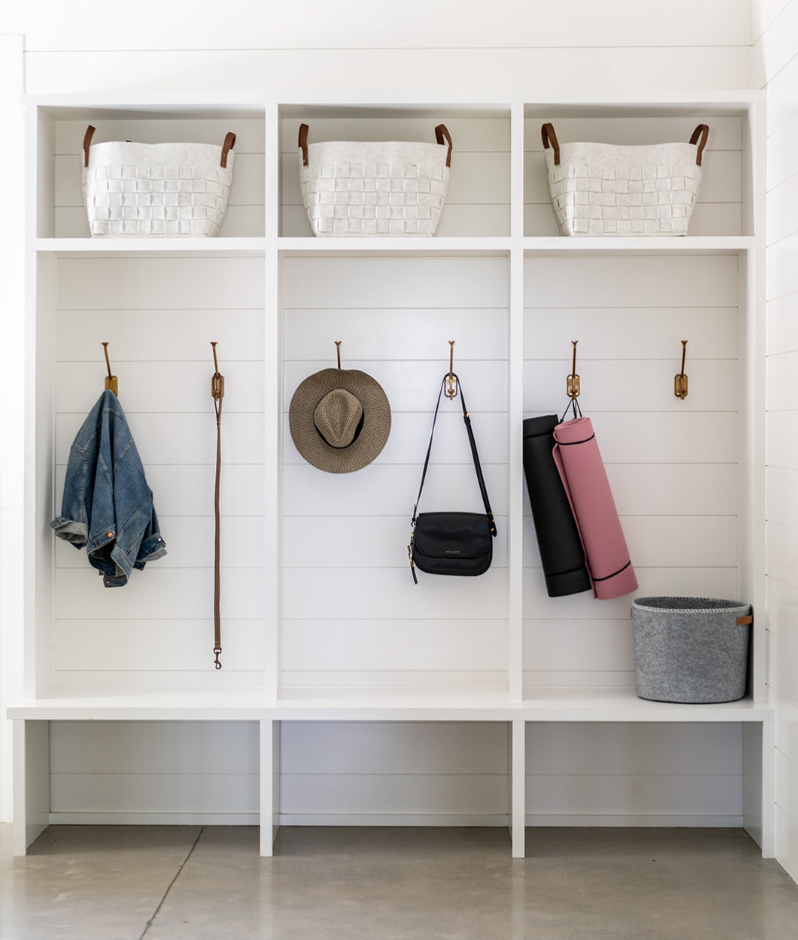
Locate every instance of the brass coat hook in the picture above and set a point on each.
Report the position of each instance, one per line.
(451, 379)
(111, 381)
(338, 350)
(680, 380)
(573, 378)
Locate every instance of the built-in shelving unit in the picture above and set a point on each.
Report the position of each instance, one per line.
(322, 621)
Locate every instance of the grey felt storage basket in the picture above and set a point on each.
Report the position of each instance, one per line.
(690, 649)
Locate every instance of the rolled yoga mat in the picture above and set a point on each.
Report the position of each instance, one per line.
(560, 547)
(578, 459)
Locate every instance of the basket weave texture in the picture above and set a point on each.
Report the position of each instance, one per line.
(154, 190)
(374, 189)
(606, 189)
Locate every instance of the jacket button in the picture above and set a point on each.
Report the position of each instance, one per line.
(110, 535)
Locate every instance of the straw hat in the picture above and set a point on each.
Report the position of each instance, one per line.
(340, 419)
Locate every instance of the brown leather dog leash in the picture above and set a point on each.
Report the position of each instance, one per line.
(217, 391)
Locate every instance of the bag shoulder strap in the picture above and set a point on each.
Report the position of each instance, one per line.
(474, 454)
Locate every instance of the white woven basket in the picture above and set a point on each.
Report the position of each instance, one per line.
(607, 189)
(146, 190)
(374, 189)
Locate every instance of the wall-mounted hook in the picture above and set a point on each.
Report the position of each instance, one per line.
(111, 381)
(338, 350)
(451, 379)
(680, 380)
(573, 378)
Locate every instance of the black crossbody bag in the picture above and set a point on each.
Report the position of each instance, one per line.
(454, 543)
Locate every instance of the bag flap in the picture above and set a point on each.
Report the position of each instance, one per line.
(453, 534)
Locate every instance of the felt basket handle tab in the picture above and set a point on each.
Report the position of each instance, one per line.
(702, 132)
(550, 140)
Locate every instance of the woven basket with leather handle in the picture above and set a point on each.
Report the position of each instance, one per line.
(159, 190)
(374, 189)
(607, 189)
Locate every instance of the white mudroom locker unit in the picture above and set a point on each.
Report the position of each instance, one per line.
(349, 695)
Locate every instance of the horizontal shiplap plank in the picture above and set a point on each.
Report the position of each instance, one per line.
(634, 387)
(782, 496)
(383, 489)
(574, 645)
(154, 793)
(394, 645)
(246, 189)
(460, 682)
(781, 202)
(620, 749)
(667, 541)
(725, 132)
(336, 594)
(414, 385)
(448, 794)
(153, 747)
(359, 541)
(190, 542)
(239, 221)
(664, 281)
(410, 433)
(782, 145)
(782, 555)
(783, 268)
(782, 99)
(160, 594)
(708, 218)
(641, 794)
(181, 335)
(380, 334)
(665, 437)
(160, 283)
(404, 748)
(249, 132)
(186, 439)
(782, 325)
(657, 332)
(653, 582)
(781, 370)
(157, 387)
(145, 648)
(588, 679)
(163, 680)
(782, 433)
(380, 283)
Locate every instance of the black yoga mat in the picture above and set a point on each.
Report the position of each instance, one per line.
(560, 547)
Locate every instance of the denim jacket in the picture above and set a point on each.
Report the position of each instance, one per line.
(107, 506)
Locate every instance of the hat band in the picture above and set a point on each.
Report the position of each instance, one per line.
(355, 436)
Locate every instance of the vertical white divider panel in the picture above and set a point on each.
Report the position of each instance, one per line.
(269, 784)
(31, 781)
(517, 730)
(515, 411)
(273, 382)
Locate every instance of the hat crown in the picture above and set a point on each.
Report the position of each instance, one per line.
(338, 417)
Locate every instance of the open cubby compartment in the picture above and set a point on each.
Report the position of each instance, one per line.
(682, 472)
(724, 207)
(478, 199)
(57, 141)
(353, 620)
(159, 313)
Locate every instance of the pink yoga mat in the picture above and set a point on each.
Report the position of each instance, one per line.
(578, 459)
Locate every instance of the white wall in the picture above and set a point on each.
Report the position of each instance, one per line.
(776, 63)
(349, 45)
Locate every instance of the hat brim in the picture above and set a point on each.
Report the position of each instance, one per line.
(376, 420)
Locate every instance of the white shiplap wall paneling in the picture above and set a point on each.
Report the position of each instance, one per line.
(63, 200)
(159, 317)
(677, 498)
(478, 198)
(353, 594)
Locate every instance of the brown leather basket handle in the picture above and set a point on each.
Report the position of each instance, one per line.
(441, 134)
(701, 131)
(303, 142)
(87, 143)
(227, 146)
(550, 140)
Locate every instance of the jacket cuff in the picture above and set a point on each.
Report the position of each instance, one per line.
(150, 549)
(70, 531)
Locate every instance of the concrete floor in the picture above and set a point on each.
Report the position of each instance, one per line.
(192, 883)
